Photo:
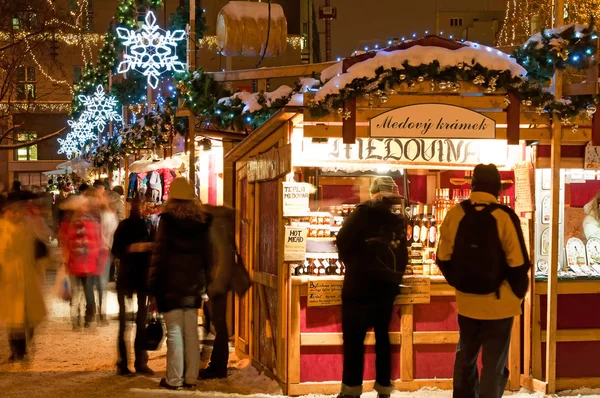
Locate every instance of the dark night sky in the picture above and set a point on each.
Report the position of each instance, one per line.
(360, 20)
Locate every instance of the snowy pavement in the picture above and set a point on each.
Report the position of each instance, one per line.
(82, 364)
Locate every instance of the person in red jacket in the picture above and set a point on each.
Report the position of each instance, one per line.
(83, 257)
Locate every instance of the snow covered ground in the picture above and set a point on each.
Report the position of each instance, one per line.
(82, 364)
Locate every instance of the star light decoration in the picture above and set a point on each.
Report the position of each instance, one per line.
(151, 50)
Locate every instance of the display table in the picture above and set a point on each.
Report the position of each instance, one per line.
(423, 338)
(577, 335)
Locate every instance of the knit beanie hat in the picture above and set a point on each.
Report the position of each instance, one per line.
(486, 178)
(181, 189)
(384, 185)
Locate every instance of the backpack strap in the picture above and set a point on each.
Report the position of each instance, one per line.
(467, 206)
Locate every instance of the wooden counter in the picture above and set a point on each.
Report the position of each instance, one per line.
(423, 338)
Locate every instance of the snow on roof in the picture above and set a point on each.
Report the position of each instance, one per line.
(417, 55)
(537, 38)
(246, 9)
(307, 83)
(250, 100)
(331, 71)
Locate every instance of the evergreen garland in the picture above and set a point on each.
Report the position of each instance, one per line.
(551, 50)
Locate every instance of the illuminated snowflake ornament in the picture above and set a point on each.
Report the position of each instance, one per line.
(151, 50)
(81, 130)
(99, 109)
(68, 146)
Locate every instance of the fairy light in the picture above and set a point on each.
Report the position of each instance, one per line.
(41, 69)
(212, 42)
(36, 107)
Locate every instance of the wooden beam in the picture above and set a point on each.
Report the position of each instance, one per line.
(294, 338)
(270, 73)
(551, 317)
(349, 123)
(465, 101)
(568, 335)
(570, 287)
(265, 279)
(513, 117)
(406, 349)
(333, 387)
(568, 383)
(534, 384)
(336, 339)
(435, 338)
(536, 340)
(514, 356)
(590, 88)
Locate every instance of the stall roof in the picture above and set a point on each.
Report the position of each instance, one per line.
(255, 137)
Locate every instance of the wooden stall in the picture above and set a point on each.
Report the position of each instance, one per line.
(278, 324)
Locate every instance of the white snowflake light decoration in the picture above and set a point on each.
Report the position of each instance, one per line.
(99, 109)
(151, 50)
(68, 146)
(81, 130)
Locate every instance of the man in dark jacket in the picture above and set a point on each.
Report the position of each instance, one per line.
(223, 240)
(131, 247)
(372, 245)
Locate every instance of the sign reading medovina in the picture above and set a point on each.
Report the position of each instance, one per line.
(432, 121)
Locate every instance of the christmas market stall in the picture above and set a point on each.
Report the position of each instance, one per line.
(423, 112)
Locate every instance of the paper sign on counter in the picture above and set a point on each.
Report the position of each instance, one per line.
(325, 293)
(295, 244)
(417, 291)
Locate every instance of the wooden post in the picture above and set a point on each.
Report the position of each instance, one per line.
(554, 227)
(514, 356)
(406, 346)
(513, 116)
(191, 118)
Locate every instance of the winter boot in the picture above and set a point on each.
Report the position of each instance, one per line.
(212, 373)
(163, 383)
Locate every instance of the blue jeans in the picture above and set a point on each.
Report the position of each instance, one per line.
(102, 286)
(491, 336)
(183, 346)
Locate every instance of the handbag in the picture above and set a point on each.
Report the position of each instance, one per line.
(240, 278)
(63, 285)
(155, 332)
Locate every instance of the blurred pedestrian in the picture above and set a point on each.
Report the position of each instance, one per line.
(178, 278)
(116, 202)
(108, 226)
(83, 256)
(132, 247)
(223, 239)
(21, 275)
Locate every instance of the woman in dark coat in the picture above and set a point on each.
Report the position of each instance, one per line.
(178, 277)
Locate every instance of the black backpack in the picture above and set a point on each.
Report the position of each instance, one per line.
(478, 262)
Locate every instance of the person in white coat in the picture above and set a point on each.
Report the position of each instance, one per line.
(21, 276)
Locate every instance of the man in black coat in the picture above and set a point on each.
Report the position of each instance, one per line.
(131, 246)
(372, 245)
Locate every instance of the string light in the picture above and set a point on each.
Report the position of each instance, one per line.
(212, 42)
(41, 69)
(41, 107)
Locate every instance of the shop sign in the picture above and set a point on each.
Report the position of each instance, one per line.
(295, 244)
(324, 293)
(409, 151)
(270, 165)
(523, 187)
(432, 121)
(296, 199)
(414, 291)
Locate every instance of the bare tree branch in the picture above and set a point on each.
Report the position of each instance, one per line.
(7, 132)
(25, 144)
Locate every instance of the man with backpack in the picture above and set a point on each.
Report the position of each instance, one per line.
(372, 245)
(482, 254)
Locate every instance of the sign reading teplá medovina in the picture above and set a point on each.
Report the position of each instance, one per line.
(432, 121)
